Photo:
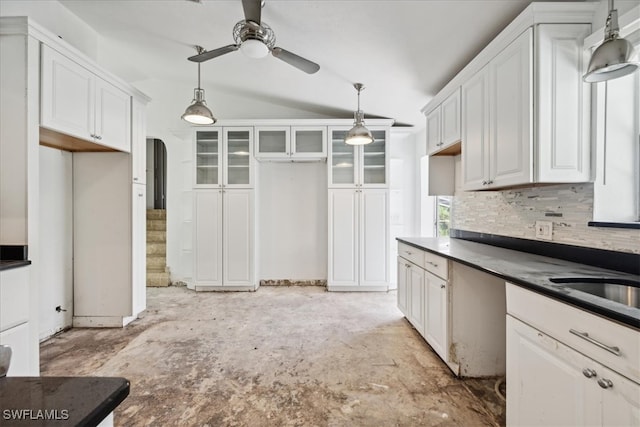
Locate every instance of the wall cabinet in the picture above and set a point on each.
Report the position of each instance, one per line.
(224, 157)
(556, 376)
(224, 240)
(76, 102)
(358, 239)
(512, 135)
(443, 124)
(291, 143)
(358, 166)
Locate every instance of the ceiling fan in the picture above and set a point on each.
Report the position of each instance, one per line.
(256, 39)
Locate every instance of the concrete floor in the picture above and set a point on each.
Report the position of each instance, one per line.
(281, 356)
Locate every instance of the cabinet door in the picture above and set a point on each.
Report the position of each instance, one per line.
(208, 158)
(343, 170)
(343, 237)
(309, 142)
(138, 142)
(451, 119)
(475, 131)
(139, 248)
(272, 142)
(238, 157)
(403, 282)
(18, 338)
(373, 161)
(511, 113)
(113, 116)
(67, 96)
(434, 134)
(237, 237)
(208, 237)
(416, 297)
(374, 233)
(545, 382)
(620, 401)
(436, 303)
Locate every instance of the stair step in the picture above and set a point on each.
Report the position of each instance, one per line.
(156, 224)
(156, 262)
(156, 248)
(154, 236)
(158, 279)
(156, 213)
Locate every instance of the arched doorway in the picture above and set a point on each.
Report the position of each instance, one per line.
(157, 270)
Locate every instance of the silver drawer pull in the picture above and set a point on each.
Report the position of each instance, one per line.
(605, 383)
(585, 336)
(432, 263)
(589, 373)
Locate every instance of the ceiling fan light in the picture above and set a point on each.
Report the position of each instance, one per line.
(254, 48)
(198, 113)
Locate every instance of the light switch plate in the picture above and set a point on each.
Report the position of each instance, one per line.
(544, 230)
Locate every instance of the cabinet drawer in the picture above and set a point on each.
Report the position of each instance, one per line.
(436, 264)
(559, 319)
(14, 297)
(411, 254)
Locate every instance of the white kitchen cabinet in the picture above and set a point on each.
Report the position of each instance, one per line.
(512, 135)
(403, 290)
(138, 141)
(415, 279)
(18, 339)
(139, 247)
(273, 142)
(358, 239)
(76, 102)
(224, 157)
(436, 324)
(224, 239)
(443, 124)
(358, 166)
(15, 327)
(291, 143)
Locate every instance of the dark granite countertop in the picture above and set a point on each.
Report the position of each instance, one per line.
(532, 272)
(9, 264)
(13, 256)
(59, 401)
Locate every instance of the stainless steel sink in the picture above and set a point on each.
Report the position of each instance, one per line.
(623, 291)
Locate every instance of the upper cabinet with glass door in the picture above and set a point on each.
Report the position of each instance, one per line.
(223, 157)
(358, 166)
(291, 143)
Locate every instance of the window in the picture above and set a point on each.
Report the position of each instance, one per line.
(443, 215)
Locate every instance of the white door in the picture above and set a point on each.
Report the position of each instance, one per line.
(620, 401)
(511, 88)
(237, 238)
(403, 270)
(208, 237)
(272, 142)
(451, 119)
(139, 248)
(343, 161)
(434, 140)
(113, 116)
(67, 96)
(343, 237)
(238, 157)
(416, 297)
(374, 233)
(546, 383)
(309, 142)
(208, 154)
(475, 131)
(436, 314)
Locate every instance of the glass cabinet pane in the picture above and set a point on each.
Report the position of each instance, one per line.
(207, 157)
(272, 141)
(342, 159)
(374, 159)
(238, 157)
(308, 141)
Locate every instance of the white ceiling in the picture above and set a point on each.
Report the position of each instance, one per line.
(403, 51)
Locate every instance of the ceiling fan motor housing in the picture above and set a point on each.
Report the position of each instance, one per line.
(249, 30)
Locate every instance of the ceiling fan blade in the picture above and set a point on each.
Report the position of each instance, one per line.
(210, 54)
(299, 62)
(252, 10)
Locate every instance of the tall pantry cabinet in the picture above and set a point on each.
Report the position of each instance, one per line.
(358, 213)
(224, 209)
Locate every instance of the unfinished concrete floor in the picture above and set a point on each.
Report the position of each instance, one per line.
(281, 356)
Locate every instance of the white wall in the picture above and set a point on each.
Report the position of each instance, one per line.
(56, 240)
(292, 220)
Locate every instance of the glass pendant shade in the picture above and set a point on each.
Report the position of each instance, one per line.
(254, 48)
(358, 134)
(198, 113)
(615, 57)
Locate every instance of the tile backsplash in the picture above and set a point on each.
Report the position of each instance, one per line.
(514, 212)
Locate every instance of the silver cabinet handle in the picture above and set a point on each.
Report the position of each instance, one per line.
(605, 383)
(442, 286)
(589, 373)
(432, 263)
(585, 336)
(484, 182)
(135, 179)
(98, 137)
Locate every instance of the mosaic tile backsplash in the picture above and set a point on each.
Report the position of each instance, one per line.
(514, 212)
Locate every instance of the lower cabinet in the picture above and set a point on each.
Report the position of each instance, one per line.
(415, 279)
(224, 240)
(436, 303)
(358, 240)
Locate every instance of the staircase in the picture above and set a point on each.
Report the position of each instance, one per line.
(157, 271)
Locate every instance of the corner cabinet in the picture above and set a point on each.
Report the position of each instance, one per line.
(223, 212)
(525, 115)
(443, 124)
(358, 214)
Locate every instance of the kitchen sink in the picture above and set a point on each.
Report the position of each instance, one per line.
(623, 291)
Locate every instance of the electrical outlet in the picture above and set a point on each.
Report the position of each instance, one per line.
(544, 230)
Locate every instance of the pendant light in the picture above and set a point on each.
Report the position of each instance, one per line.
(615, 57)
(359, 134)
(198, 113)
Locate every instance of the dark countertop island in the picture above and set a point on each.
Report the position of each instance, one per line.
(533, 272)
(59, 401)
